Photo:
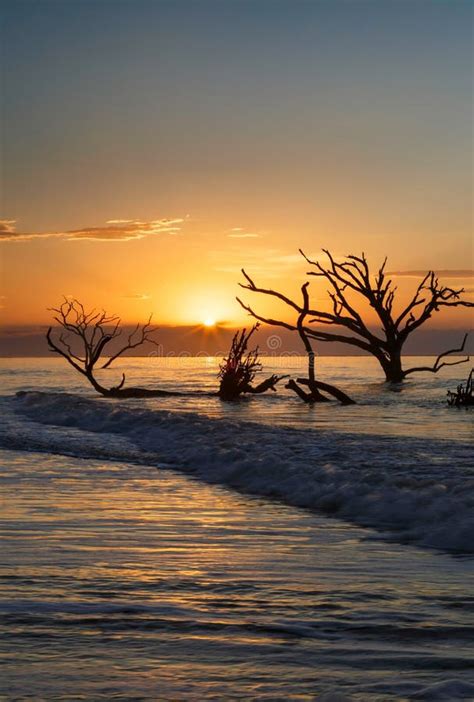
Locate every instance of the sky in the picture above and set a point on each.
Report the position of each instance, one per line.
(153, 148)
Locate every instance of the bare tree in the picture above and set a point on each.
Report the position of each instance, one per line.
(463, 397)
(86, 336)
(353, 276)
(316, 387)
(239, 369)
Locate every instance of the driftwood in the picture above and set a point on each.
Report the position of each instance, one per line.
(353, 276)
(315, 386)
(463, 397)
(238, 370)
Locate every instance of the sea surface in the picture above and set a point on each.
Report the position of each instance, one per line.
(186, 549)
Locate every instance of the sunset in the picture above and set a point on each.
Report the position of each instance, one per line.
(236, 297)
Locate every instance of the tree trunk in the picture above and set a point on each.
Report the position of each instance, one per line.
(132, 392)
(98, 388)
(316, 385)
(392, 366)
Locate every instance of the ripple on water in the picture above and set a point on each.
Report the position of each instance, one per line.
(160, 587)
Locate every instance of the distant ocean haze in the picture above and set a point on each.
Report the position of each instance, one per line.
(30, 341)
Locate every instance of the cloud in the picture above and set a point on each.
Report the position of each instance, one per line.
(445, 273)
(7, 226)
(240, 233)
(137, 297)
(243, 236)
(113, 230)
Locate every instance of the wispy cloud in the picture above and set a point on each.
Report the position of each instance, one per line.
(7, 226)
(244, 235)
(113, 230)
(240, 233)
(136, 297)
(445, 273)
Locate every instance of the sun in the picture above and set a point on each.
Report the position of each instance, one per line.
(209, 322)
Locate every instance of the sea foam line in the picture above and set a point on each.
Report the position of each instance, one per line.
(406, 485)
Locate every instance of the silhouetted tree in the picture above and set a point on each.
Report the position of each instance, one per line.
(86, 336)
(238, 370)
(353, 276)
(463, 397)
(314, 386)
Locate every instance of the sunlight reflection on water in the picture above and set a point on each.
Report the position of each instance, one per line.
(123, 582)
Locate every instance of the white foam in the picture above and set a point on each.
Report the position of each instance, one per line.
(420, 491)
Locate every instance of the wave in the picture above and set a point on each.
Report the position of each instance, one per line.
(415, 490)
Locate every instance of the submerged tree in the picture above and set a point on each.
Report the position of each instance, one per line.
(353, 276)
(316, 388)
(86, 337)
(239, 368)
(463, 397)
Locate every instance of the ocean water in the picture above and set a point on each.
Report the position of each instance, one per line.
(186, 549)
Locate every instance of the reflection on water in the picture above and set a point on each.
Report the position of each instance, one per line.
(123, 582)
(419, 409)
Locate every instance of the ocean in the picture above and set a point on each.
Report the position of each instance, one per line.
(187, 549)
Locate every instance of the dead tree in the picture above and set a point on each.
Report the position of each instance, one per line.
(463, 397)
(238, 370)
(353, 277)
(86, 336)
(316, 388)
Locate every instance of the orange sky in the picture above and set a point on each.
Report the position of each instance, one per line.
(190, 275)
(153, 151)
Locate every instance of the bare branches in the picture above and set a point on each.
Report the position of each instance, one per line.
(90, 331)
(267, 384)
(440, 363)
(139, 336)
(265, 320)
(463, 397)
(354, 274)
(251, 286)
(348, 279)
(239, 369)
(432, 296)
(62, 352)
(305, 333)
(315, 387)
(86, 336)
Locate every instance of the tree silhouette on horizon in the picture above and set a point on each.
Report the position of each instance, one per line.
(353, 274)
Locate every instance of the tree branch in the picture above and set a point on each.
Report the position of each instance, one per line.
(439, 363)
(144, 335)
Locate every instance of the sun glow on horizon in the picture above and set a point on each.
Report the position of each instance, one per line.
(209, 322)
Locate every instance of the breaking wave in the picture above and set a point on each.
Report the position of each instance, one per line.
(416, 490)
